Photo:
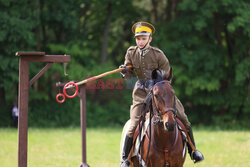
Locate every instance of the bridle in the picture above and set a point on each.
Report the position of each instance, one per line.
(158, 115)
(158, 119)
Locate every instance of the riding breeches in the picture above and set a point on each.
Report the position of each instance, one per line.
(136, 110)
(181, 113)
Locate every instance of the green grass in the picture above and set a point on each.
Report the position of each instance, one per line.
(62, 148)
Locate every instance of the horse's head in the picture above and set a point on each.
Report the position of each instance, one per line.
(163, 97)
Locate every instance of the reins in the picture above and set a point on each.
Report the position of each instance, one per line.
(148, 105)
(154, 112)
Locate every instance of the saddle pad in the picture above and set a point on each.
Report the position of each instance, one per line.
(124, 132)
(143, 133)
(137, 144)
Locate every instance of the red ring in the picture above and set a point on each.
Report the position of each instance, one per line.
(60, 95)
(64, 90)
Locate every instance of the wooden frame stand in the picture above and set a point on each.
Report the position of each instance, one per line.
(24, 84)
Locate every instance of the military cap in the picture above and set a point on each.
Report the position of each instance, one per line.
(143, 28)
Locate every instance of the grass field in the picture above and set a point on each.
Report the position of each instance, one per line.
(62, 148)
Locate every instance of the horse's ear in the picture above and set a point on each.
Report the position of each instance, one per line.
(156, 74)
(168, 76)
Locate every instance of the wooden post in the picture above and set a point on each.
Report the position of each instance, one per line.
(82, 95)
(23, 93)
(23, 112)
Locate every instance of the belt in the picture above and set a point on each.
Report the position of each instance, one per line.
(145, 83)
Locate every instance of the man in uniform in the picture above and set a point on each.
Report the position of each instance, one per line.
(144, 59)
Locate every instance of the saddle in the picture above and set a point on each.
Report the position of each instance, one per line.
(136, 140)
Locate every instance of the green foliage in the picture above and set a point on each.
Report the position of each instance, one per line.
(53, 114)
(211, 67)
(206, 42)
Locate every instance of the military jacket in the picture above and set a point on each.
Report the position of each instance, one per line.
(144, 62)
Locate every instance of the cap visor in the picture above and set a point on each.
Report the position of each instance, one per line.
(142, 33)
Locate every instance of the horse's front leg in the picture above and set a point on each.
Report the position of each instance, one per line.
(155, 158)
(134, 162)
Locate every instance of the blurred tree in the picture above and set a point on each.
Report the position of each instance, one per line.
(207, 43)
(17, 20)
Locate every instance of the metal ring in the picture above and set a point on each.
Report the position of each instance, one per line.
(60, 95)
(65, 87)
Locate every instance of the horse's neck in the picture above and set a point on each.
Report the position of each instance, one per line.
(163, 139)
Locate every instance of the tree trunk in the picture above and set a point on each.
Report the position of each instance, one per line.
(84, 15)
(104, 52)
(43, 25)
(155, 11)
(217, 29)
(117, 49)
(2, 97)
(37, 28)
(169, 10)
(229, 43)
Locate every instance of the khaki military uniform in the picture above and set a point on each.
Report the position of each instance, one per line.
(144, 62)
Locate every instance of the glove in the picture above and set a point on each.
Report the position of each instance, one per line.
(124, 71)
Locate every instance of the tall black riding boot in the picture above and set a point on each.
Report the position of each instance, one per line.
(126, 150)
(195, 155)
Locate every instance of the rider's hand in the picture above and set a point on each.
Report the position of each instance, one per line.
(124, 71)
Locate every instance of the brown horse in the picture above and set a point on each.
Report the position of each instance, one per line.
(166, 148)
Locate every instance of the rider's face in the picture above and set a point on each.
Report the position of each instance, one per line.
(142, 40)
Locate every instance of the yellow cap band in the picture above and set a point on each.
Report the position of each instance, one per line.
(143, 28)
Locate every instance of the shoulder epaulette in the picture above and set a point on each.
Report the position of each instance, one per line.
(132, 48)
(157, 49)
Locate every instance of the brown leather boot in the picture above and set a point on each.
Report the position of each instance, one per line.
(126, 150)
(195, 155)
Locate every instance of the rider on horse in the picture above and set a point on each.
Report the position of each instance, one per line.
(144, 59)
